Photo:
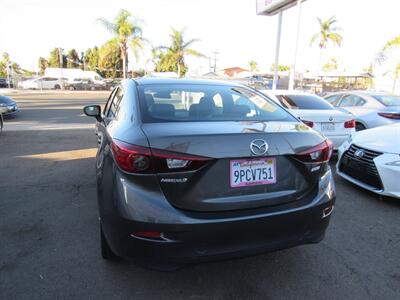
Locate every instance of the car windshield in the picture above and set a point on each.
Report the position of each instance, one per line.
(186, 102)
(388, 100)
(304, 102)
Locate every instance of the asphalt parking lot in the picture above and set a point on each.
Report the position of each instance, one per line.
(49, 239)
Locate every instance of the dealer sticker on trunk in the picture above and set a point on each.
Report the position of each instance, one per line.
(249, 172)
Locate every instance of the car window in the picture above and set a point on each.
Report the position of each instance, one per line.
(388, 100)
(187, 102)
(351, 100)
(303, 102)
(110, 99)
(115, 104)
(333, 99)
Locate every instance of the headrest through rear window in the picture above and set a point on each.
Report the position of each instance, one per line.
(162, 110)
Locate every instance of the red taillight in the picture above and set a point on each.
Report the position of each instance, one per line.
(131, 158)
(350, 124)
(395, 116)
(308, 123)
(138, 159)
(317, 154)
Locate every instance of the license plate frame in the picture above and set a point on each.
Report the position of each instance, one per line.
(328, 126)
(257, 176)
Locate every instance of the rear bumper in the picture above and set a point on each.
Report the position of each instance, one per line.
(192, 239)
(193, 243)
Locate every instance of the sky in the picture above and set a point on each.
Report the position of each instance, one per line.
(31, 28)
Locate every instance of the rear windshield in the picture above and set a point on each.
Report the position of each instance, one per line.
(304, 102)
(388, 100)
(186, 102)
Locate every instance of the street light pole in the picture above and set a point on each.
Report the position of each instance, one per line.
(293, 68)
(278, 45)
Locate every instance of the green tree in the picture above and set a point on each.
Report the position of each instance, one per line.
(43, 64)
(330, 65)
(5, 58)
(281, 68)
(127, 32)
(173, 57)
(73, 60)
(54, 59)
(110, 61)
(328, 33)
(253, 65)
(91, 58)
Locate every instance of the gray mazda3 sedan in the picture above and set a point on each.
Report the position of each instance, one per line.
(196, 170)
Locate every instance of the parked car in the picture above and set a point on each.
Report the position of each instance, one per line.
(44, 83)
(4, 83)
(316, 113)
(371, 109)
(112, 83)
(186, 173)
(84, 84)
(371, 160)
(8, 106)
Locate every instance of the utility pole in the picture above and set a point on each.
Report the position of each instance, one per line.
(9, 70)
(61, 67)
(278, 45)
(83, 61)
(215, 60)
(293, 68)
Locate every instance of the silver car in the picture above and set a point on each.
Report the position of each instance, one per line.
(371, 109)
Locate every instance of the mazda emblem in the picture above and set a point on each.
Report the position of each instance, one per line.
(258, 147)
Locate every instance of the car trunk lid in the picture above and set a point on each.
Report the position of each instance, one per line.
(209, 188)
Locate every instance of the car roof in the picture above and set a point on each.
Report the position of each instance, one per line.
(359, 92)
(285, 92)
(155, 80)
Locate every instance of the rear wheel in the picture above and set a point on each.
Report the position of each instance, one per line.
(106, 251)
(360, 127)
(57, 87)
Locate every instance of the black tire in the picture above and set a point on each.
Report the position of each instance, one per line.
(106, 251)
(71, 88)
(360, 127)
(57, 87)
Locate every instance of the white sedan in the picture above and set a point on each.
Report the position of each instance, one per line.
(371, 160)
(317, 113)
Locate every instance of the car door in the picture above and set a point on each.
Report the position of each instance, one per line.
(110, 114)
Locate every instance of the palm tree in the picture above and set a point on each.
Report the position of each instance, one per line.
(253, 65)
(328, 32)
(179, 48)
(383, 55)
(128, 32)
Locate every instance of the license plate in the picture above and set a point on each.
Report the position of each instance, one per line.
(327, 126)
(248, 172)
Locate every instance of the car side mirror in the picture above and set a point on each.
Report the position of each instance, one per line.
(93, 111)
